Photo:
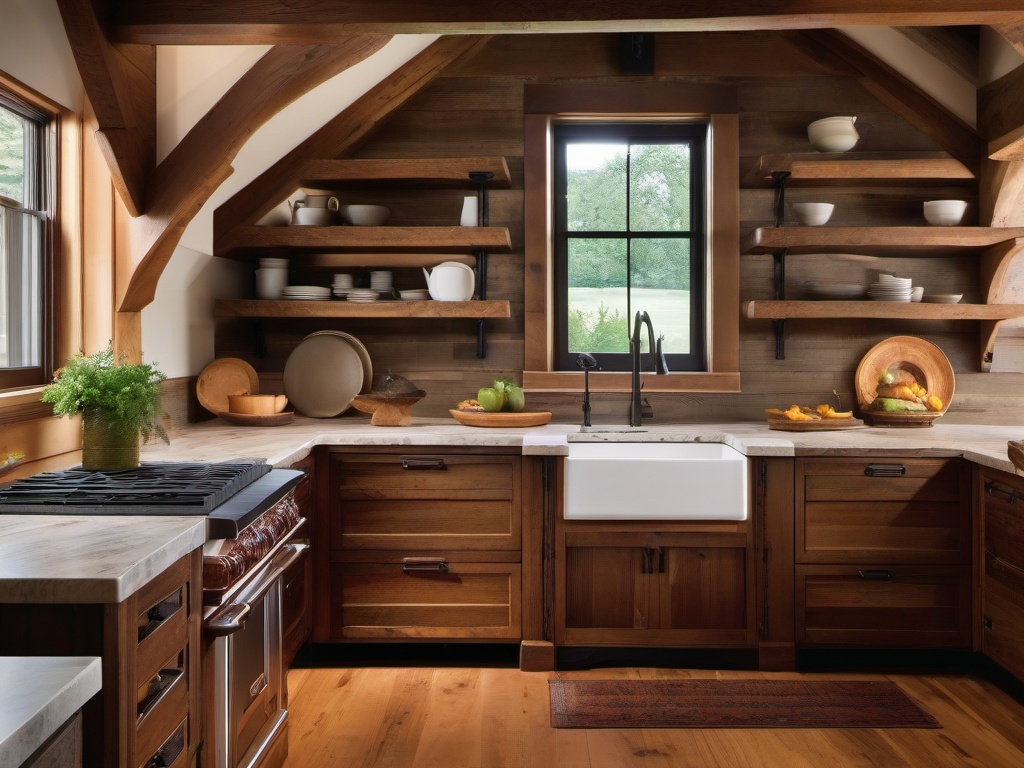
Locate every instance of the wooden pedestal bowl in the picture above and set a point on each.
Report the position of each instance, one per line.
(388, 410)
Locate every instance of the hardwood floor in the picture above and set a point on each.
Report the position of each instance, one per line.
(491, 718)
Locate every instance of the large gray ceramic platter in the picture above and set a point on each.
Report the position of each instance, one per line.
(322, 375)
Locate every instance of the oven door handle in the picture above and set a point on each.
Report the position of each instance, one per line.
(290, 554)
(228, 620)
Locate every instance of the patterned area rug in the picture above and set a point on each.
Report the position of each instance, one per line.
(733, 704)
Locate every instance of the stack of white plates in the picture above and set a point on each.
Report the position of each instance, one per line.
(306, 293)
(380, 280)
(416, 294)
(270, 263)
(361, 296)
(890, 288)
(342, 284)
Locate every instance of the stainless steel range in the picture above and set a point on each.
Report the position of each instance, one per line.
(251, 519)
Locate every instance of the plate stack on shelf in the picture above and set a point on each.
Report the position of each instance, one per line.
(380, 281)
(890, 288)
(362, 296)
(306, 293)
(342, 284)
(415, 294)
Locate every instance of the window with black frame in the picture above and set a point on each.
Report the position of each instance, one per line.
(630, 234)
(25, 219)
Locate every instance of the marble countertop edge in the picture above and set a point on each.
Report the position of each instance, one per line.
(37, 696)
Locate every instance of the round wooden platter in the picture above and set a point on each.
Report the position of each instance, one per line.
(484, 419)
(388, 410)
(928, 363)
(258, 420)
(812, 425)
(225, 376)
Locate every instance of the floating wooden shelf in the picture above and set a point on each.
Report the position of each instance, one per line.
(847, 169)
(883, 310)
(246, 243)
(380, 260)
(377, 309)
(450, 172)
(879, 241)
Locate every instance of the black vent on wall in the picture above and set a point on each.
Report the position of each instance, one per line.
(636, 53)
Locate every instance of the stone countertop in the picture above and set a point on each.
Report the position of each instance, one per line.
(218, 441)
(89, 559)
(37, 696)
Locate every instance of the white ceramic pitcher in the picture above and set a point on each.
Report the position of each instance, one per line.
(450, 281)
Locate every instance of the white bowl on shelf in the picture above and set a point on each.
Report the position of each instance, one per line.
(813, 214)
(364, 215)
(944, 213)
(833, 134)
(942, 298)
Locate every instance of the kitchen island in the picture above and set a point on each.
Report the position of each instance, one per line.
(38, 695)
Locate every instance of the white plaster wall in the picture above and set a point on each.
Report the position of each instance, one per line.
(996, 56)
(35, 50)
(930, 74)
(178, 330)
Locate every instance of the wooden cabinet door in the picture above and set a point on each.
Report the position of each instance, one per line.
(1002, 556)
(657, 588)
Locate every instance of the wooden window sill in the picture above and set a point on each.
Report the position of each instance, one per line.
(18, 405)
(608, 381)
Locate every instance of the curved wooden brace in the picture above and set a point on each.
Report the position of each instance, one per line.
(184, 181)
(1003, 190)
(1002, 282)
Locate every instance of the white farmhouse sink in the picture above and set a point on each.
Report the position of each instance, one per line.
(655, 481)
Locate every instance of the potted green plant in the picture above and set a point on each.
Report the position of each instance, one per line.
(118, 403)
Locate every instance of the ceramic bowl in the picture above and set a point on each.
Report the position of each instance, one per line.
(944, 213)
(813, 214)
(942, 298)
(833, 134)
(365, 215)
(257, 405)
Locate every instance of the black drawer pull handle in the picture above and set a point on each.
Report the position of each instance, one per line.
(885, 470)
(414, 565)
(424, 464)
(159, 687)
(1009, 495)
(876, 575)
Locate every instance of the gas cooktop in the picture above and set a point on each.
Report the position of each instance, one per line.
(230, 495)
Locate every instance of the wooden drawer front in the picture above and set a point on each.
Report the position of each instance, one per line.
(411, 476)
(162, 631)
(471, 600)
(1004, 522)
(923, 480)
(1003, 638)
(920, 606)
(169, 708)
(427, 524)
(883, 532)
(173, 752)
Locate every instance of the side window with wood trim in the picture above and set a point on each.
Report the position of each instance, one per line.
(26, 226)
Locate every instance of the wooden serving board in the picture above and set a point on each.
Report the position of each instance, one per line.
(483, 419)
(815, 425)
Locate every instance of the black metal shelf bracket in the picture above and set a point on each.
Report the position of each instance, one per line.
(780, 178)
(779, 257)
(483, 217)
(779, 281)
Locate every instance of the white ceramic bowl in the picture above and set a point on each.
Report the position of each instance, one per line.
(833, 134)
(942, 298)
(364, 215)
(813, 214)
(944, 213)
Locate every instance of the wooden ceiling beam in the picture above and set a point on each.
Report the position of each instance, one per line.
(832, 48)
(343, 134)
(185, 22)
(957, 49)
(186, 178)
(120, 82)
